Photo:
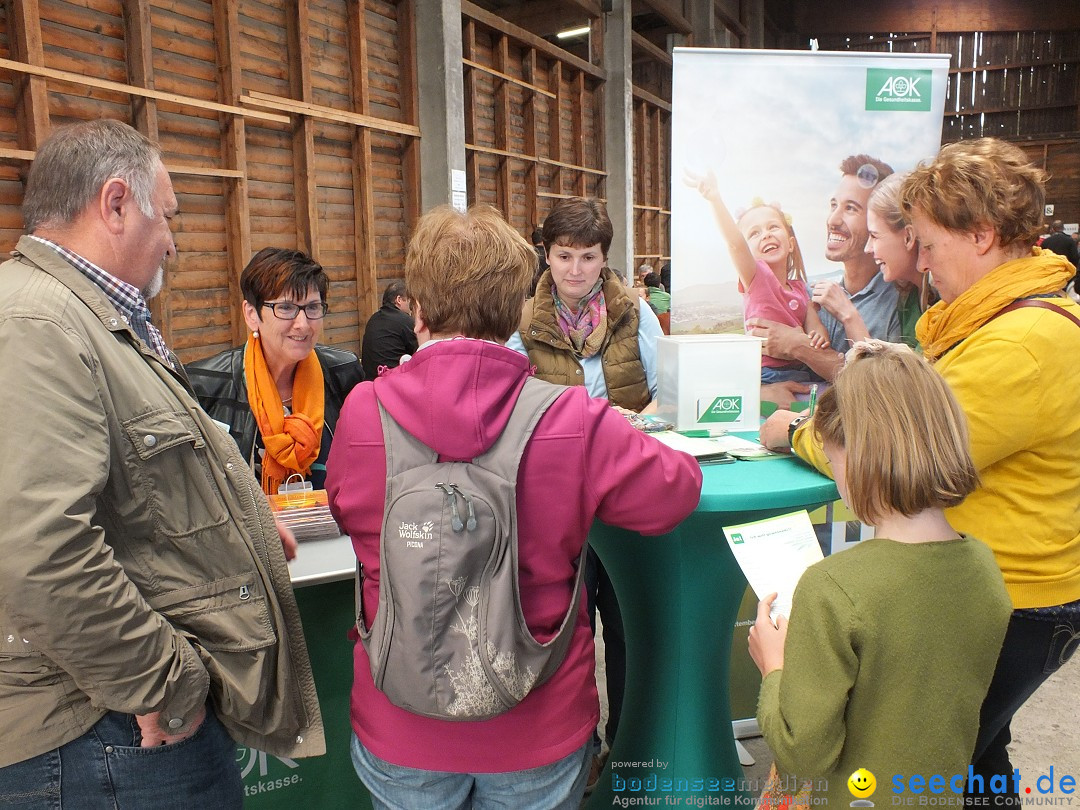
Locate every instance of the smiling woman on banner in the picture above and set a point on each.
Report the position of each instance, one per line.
(1004, 336)
(279, 394)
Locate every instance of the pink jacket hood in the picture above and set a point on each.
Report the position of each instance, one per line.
(457, 395)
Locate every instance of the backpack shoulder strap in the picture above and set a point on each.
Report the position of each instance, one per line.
(1041, 303)
(504, 456)
(403, 450)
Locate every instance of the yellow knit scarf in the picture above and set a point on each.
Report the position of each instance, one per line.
(291, 442)
(944, 325)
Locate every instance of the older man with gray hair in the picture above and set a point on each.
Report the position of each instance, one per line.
(146, 615)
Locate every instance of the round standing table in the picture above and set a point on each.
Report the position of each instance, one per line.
(679, 594)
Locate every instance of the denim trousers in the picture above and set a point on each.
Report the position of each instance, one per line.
(105, 769)
(558, 786)
(1032, 651)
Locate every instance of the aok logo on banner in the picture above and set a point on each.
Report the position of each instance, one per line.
(898, 90)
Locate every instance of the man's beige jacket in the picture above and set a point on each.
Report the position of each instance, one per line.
(140, 569)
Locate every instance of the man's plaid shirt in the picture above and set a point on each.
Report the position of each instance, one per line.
(127, 299)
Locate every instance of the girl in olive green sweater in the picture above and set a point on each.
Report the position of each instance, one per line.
(891, 645)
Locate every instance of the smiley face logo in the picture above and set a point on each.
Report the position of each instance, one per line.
(862, 784)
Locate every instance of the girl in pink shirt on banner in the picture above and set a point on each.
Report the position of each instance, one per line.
(772, 278)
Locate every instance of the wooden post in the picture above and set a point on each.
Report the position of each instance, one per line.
(367, 293)
(410, 106)
(303, 135)
(140, 69)
(502, 128)
(234, 156)
(31, 96)
(472, 160)
(555, 126)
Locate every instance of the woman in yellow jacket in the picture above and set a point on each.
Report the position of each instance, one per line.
(1005, 338)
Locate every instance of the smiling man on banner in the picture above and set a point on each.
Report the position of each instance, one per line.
(873, 297)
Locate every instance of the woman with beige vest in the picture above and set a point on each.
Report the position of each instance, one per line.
(584, 326)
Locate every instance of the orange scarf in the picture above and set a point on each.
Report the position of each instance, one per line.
(291, 442)
(943, 326)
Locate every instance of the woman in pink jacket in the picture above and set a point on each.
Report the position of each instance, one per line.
(468, 275)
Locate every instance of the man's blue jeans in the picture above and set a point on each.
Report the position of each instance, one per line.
(558, 786)
(105, 768)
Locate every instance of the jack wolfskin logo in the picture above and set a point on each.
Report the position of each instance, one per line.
(723, 409)
(413, 531)
(904, 90)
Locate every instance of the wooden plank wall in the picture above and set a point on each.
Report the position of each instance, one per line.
(283, 124)
(533, 120)
(1062, 160)
(652, 153)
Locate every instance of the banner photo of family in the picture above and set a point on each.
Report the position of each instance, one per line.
(774, 157)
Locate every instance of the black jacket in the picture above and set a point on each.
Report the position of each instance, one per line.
(388, 335)
(1063, 245)
(222, 391)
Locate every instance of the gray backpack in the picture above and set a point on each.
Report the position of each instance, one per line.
(449, 639)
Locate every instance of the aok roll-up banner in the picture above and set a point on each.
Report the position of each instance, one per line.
(774, 127)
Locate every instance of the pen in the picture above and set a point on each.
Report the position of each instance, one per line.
(813, 398)
(695, 434)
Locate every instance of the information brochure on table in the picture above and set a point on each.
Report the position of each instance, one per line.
(773, 554)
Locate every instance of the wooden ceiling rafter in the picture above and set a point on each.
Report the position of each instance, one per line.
(672, 13)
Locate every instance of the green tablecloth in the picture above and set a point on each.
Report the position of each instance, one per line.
(316, 783)
(679, 595)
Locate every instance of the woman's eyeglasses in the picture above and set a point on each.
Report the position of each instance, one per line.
(287, 310)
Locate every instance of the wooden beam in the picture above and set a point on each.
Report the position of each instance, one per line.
(555, 127)
(640, 163)
(532, 170)
(578, 128)
(117, 87)
(469, 63)
(472, 167)
(572, 167)
(364, 259)
(140, 64)
(644, 95)
(496, 23)
(845, 17)
(410, 167)
(171, 168)
(651, 49)
(294, 107)
(16, 154)
(234, 155)
(548, 17)
(31, 95)
(591, 8)
(657, 188)
(731, 20)
(672, 14)
(298, 23)
(139, 55)
(502, 128)
(202, 171)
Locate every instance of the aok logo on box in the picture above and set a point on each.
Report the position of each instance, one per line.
(906, 90)
(723, 409)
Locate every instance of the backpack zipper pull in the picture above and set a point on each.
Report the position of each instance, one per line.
(471, 524)
(455, 516)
